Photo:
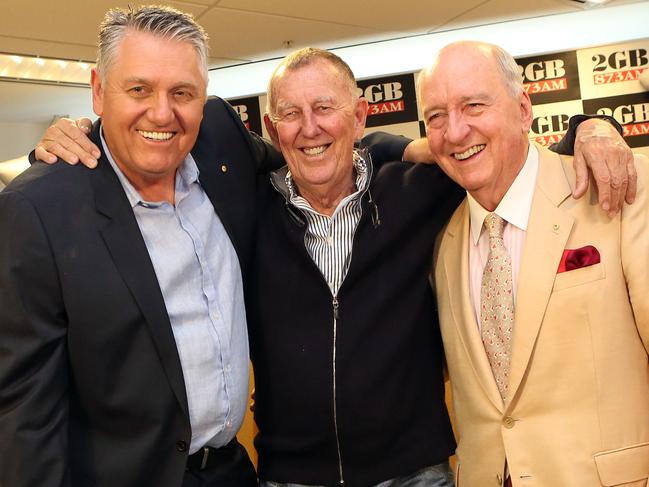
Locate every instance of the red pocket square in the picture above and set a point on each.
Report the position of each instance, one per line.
(577, 258)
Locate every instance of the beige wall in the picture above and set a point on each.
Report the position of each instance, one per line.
(18, 138)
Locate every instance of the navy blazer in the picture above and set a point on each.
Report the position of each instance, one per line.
(91, 387)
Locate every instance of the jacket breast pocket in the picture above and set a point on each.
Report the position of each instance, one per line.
(577, 277)
(623, 466)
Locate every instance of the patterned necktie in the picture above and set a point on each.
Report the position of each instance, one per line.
(497, 304)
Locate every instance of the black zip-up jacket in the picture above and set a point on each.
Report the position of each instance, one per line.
(389, 417)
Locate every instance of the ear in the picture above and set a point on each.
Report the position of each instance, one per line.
(360, 116)
(97, 93)
(272, 131)
(526, 112)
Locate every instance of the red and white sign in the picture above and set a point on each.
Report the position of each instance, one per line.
(612, 70)
(550, 121)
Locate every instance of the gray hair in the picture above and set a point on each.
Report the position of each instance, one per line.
(162, 21)
(505, 63)
(305, 57)
(508, 69)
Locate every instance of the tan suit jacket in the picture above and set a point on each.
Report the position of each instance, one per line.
(577, 414)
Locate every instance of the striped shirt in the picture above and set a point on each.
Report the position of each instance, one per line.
(329, 239)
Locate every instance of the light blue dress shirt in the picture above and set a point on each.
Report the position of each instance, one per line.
(199, 274)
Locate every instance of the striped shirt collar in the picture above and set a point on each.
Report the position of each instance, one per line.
(362, 180)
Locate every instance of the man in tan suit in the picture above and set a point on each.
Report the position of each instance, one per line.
(545, 312)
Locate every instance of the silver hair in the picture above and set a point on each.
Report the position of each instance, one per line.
(505, 63)
(302, 58)
(165, 22)
(509, 70)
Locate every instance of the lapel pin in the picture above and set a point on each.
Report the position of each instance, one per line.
(224, 168)
(555, 227)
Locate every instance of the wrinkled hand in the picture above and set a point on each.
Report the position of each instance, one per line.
(68, 140)
(600, 147)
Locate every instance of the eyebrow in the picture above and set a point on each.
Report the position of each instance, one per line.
(476, 97)
(431, 109)
(144, 81)
(284, 105)
(462, 100)
(135, 79)
(322, 99)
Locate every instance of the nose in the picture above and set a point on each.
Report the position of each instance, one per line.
(161, 110)
(310, 125)
(456, 129)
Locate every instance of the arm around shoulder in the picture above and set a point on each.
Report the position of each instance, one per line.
(265, 156)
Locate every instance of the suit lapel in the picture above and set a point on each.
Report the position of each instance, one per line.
(126, 246)
(547, 233)
(456, 258)
(215, 175)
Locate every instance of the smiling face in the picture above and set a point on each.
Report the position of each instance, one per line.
(476, 127)
(316, 119)
(151, 105)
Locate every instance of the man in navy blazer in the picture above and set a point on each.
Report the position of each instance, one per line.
(93, 385)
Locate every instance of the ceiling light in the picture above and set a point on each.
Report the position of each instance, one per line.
(589, 3)
(28, 69)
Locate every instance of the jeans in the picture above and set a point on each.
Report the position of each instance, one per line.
(435, 476)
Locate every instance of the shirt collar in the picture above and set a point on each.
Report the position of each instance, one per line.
(515, 206)
(360, 165)
(186, 175)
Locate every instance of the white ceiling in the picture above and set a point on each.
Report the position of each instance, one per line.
(248, 30)
(240, 31)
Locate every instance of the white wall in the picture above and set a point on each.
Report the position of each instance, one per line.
(27, 109)
(553, 33)
(523, 37)
(18, 138)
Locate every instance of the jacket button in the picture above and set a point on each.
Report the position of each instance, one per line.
(509, 422)
(181, 446)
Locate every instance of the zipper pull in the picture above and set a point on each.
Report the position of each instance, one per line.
(374, 211)
(335, 305)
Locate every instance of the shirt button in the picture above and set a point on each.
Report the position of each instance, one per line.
(181, 446)
(509, 422)
(228, 423)
(228, 368)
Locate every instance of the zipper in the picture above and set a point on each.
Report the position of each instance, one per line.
(341, 482)
(298, 217)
